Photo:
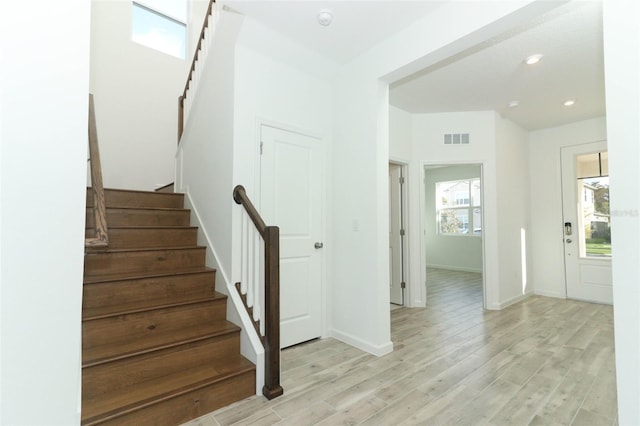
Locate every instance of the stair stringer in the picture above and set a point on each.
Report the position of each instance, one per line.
(250, 343)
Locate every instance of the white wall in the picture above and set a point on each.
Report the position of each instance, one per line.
(512, 179)
(545, 189)
(454, 252)
(136, 92)
(204, 169)
(361, 133)
(621, 19)
(205, 155)
(45, 85)
(400, 134)
(272, 91)
(360, 163)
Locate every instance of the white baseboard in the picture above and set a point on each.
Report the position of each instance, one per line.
(377, 350)
(510, 302)
(455, 268)
(548, 293)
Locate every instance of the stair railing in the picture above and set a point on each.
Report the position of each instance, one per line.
(260, 286)
(101, 238)
(202, 49)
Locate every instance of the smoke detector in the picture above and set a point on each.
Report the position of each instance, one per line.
(325, 17)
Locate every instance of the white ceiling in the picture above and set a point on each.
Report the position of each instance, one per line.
(357, 25)
(489, 77)
(486, 77)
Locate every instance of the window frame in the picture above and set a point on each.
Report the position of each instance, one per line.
(148, 7)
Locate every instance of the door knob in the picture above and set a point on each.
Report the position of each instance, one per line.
(318, 245)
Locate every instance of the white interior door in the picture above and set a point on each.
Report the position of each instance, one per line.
(586, 227)
(395, 235)
(291, 196)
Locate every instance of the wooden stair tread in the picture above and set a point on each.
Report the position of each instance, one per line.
(127, 197)
(150, 227)
(89, 279)
(135, 191)
(162, 209)
(143, 394)
(139, 249)
(101, 354)
(94, 279)
(132, 308)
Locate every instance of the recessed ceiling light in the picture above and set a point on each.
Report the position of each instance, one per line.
(569, 102)
(533, 59)
(325, 17)
(513, 104)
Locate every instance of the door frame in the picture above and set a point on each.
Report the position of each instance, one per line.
(423, 225)
(404, 194)
(326, 251)
(572, 150)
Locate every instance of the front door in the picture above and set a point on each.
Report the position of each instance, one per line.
(586, 223)
(291, 198)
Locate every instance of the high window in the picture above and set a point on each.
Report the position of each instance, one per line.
(458, 207)
(161, 25)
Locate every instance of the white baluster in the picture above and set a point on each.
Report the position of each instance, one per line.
(261, 280)
(250, 275)
(196, 76)
(257, 306)
(243, 253)
(203, 46)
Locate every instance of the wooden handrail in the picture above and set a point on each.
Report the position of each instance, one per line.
(240, 197)
(196, 54)
(101, 238)
(271, 339)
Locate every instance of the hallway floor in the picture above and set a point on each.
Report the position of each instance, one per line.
(542, 361)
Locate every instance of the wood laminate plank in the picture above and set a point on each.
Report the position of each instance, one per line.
(541, 361)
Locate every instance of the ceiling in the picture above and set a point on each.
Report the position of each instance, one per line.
(357, 25)
(486, 77)
(491, 76)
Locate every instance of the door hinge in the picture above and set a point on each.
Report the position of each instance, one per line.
(403, 284)
(401, 179)
(261, 145)
(402, 232)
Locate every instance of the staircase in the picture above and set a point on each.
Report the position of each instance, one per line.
(156, 347)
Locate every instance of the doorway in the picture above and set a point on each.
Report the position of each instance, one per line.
(586, 222)
(454, 248)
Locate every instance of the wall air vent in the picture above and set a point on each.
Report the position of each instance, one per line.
(456, 139)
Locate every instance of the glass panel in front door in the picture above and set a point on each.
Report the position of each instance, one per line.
(593, 205)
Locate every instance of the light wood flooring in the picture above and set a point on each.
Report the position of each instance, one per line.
(542, 361)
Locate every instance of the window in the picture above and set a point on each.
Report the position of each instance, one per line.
(594, 215)
(161, 25)
(458, 209)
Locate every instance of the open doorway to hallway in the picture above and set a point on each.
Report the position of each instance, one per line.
(453, 236)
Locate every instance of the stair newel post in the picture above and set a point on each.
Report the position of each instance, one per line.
(272, 388)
